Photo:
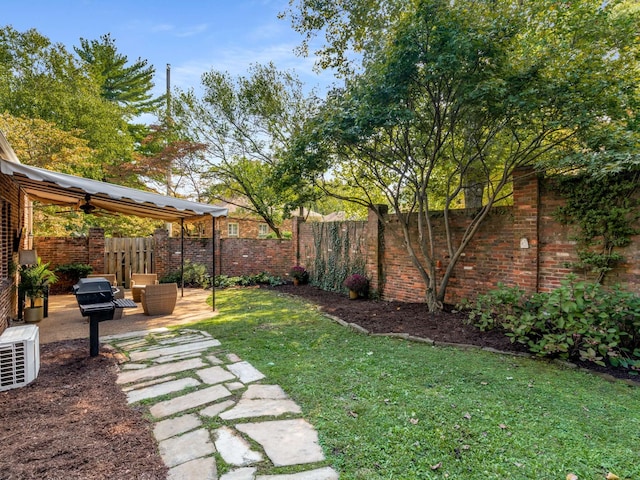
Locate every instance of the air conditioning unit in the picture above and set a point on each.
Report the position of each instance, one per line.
(19, 356)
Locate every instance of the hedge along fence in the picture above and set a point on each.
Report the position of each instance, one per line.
(339, 249)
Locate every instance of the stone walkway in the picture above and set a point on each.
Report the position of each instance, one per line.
(214, 412)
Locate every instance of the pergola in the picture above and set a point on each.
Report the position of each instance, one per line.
(55, 188)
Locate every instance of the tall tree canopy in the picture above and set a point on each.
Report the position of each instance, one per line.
(130, 86)
(41, 80)
(245, 123)
(457, 94)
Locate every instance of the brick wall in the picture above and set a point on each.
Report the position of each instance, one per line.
(240, 256)
(519, 245)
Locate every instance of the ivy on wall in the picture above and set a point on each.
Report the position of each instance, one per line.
(338, 253)
(606, 212)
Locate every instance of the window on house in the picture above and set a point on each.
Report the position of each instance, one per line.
(263, 230)
(233, 229)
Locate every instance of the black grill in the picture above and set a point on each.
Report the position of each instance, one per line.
(95, 297)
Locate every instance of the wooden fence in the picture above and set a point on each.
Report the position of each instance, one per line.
(124, 256)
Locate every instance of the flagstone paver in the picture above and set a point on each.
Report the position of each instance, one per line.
(176, 357)
(131, 376)
(216, 408)
(234, 449)
(246, 372)
(158, 359)
(175, 426)
(215, 374)
(134, 366)
(187, 347)
(173, 340)
(260, 408)
(147, 383)
(181, 449)
(200, 469)
(232, 357)
(286, 442)
(131, 335)
(161, 389)
(214, 360)
(273, 392)
(326, 473)
(188, 401)
(245, 473)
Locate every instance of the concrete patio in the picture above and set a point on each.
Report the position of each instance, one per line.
(65, 321)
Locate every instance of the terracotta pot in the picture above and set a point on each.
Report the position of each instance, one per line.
(353, 294)
(296, 281)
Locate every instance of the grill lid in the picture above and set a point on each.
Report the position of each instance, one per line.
(92, 285)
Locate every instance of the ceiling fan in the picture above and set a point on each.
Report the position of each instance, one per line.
(88, 208)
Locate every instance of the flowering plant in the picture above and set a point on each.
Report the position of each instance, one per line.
(357, 283)
(299, 273)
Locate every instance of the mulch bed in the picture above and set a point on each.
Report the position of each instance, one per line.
(73, 421)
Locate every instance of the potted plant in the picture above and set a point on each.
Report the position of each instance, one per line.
(357, 284)
(299, 275)
(34, 281)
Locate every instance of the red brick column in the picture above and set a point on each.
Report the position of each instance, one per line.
(526, 202)
(161, 252)
(95, 249)
(375, 248)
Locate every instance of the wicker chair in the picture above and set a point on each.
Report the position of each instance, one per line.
(159, 299)
(139, 281)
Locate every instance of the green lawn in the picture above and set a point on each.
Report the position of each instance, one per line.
(390, 409)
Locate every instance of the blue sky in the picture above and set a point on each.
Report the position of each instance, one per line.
(194, 36)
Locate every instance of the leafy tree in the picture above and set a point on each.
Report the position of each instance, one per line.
(41, 80)
(245, 123)
(166, 160)
(459, 94)
(42, 144)
(129, 86)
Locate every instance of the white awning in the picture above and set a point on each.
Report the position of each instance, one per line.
(55, 188)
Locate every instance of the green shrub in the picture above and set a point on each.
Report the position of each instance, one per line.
(74, 270)
(577, 321)
(224, 281)
(195, 276)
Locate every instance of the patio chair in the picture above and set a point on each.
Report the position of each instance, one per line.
(139, 281)
(159, 299)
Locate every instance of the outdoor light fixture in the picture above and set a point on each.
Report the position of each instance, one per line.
(27, 257)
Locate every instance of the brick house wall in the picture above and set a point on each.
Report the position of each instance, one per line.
(248, 227)
(12, 204)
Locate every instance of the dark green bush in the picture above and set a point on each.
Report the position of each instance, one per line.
(224, 281)
(195, 276)
(74, 270)
(577, 321)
